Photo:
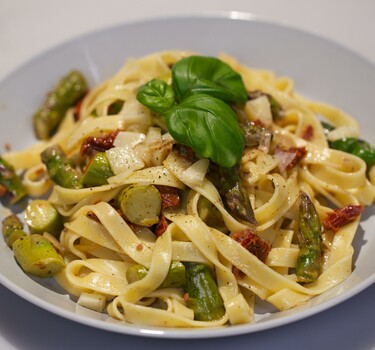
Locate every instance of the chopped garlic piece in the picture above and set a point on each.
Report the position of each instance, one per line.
(92, 301)
(259, 109)
(123, 159)
(128, 139)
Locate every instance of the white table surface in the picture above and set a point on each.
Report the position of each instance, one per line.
(28, 27)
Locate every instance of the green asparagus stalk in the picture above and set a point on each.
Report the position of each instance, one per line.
(308, 263)
(41, 216)
(12, 229)
(327, 127)
(69, 90)
(11, 182)
(140, 204)
(359, 148)
(174, 279)
(228, 183)
(37, 256)
(97, 171)
(59, 168)
(204, 297)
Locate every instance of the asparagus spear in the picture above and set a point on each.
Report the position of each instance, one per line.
(309, 259)
(359, 148)
(174, 279)
(66, 94)
(41, 216)
(228, 183)
(12, 229)
(11, 182)
(327, 127)
(59, 168)
(37, 256)
(141, 204)
(97, 171)
(204, 297)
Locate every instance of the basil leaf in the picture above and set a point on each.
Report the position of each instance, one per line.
(157, 95)
(359, 148)
(209, 126)
(208, 75)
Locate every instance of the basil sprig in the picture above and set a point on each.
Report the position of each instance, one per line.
(207, 75)
(157, 95)
(196, 107)
(209, 126)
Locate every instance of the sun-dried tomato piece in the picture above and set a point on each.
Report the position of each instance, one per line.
(161, 226)
(3, 191)
(289, 157)
(308, 133)
(169, 196)
(253, 243)
(94, 144)
(342, 216)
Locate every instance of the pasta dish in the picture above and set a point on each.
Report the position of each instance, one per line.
(185, 189)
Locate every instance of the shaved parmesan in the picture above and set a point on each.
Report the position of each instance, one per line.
(128, 139)
(259, 109)
(123, 159)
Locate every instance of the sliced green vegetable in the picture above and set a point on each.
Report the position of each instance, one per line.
(229, 184)
(327, 127)
(309, 260)
(207, 75)
(60, 169)
(97, 171)
(174, 279)
(11, 182)
(204, 297)
(37, 256)
(359, 148)
(157, 95)
(41, 216)
(66, 94)
(12, 229)
(210, 127)
(140, 204)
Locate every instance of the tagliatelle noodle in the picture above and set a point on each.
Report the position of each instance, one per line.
(100, 245)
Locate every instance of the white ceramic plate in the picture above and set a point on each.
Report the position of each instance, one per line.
(321, 70)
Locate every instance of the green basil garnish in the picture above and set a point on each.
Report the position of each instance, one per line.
(196, 107)
(210, 127)
(157, 95)
(208, 75)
